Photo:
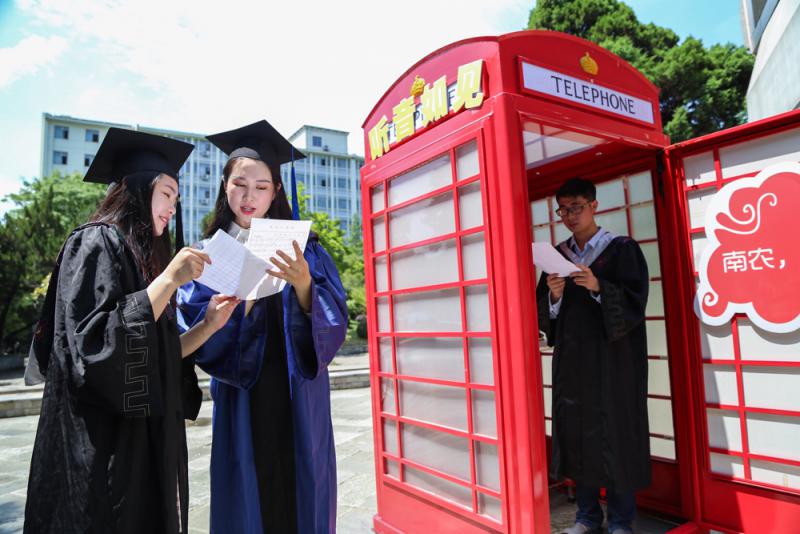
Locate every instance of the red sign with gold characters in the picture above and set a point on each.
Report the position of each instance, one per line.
(752, 262)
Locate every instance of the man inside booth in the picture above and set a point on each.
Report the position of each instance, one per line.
(595, 320)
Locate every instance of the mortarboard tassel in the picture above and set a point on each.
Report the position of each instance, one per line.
(295, 201)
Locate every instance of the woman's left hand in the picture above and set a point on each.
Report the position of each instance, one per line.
(294, 271)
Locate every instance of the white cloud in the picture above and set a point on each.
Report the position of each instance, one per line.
(213, 67)
(28, 56)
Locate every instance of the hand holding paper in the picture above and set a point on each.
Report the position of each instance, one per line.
(549, 260)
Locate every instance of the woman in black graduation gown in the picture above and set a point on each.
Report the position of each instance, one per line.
(110, 452)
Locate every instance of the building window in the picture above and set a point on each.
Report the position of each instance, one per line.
(341, 163)
(322, 161)
(88, 159)
(316, 140)
(342, 204)
(341, 183)
(59, 158)
(62, 132)
(323, 182)
(92, 136)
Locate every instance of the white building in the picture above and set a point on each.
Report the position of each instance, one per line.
(772, 32)
(331, 175)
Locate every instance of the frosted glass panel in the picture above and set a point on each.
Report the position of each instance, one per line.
(467, 160)
(660, 414)
(422, 220)
(383, 315)
(439, 487)
(548, 427)
(428, 311)
(643, 219)
(385, 351)
(754, 155)
(431, 357)
(699, 169)
(772, 387)
(377, 198)
(392, 469)
(640, 188)
(424, 266)
(443, 452)
(424, 179)
(655, 300)
(699, 242)
(547, 370)
(720, 384)
(656, 337)
(615, 222)
(774, 435)
(758, 344)
(724, 431)
(547, 398)
(489, 506)
(487, 465)
(390, 436)
(388, 404)
(658, 377)
(541, 234)
(483, 413)
(381, 275)
(716, 342)
(662, 448)
(442, 405)
(786, 476)
(562, 233)
(378, 235)
(652, 256)
(539, 212)
(477, 309)
(610, 195)
(473, 256)
(727, 465)
(481, 368)
(470, 205)
(698, 203)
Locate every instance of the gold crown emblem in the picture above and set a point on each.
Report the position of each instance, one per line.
(588, 64)
(418, 86)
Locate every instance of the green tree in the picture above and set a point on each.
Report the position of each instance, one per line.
(702, 89)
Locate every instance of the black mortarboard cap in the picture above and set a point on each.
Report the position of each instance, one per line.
(124, 152)
(257, 141)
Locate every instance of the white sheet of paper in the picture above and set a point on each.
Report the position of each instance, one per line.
(227, 258)
(267, 236)
(549, 260)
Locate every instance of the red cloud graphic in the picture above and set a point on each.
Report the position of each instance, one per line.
(752, 262)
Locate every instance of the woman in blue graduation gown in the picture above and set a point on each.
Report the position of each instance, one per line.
(273, 466)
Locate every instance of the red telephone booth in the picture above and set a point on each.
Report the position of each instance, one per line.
(464, 153)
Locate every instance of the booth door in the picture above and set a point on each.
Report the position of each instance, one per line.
(748, 410)
(626, 207)
(438, 444)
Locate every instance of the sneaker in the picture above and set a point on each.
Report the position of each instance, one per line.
(579, 528)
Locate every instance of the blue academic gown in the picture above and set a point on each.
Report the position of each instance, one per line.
(233, 357)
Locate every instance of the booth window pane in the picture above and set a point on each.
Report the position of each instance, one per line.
(385, 352)
(377, 198)
(720, 384)
(484, 421)
(432, 403)
(439, 487)
(716, 342)
(547, 369)
(610, 194)
(699, 169)
(754, 154)
(428, 265)
(724, 430)
(477, 308)
(422, 220)
(392, 469)
(653, 259)
(387, 396)
(383, 315)
(644, 222)
(758, 344)
(615, 222)
(429, 177)
(774, 435)
(657, 377)
(473, 256)
(723, 464)
(541, 234)
(547, 396)
(489, 506)
(390, 436)
(640, 188)
(481, 367)
(655, 300)
(487, 466)
(662, 448)
(656, 337)
(659, 412)
(381, 275)
(539, 212)
(562, 233)
(467, 160)
(698, 204)
(429, 311)
(470, 205)
(787, 476)
(699, 242)
(431, 357)
(444, 452)
(378, 235)
(548, 427)
(777, 388)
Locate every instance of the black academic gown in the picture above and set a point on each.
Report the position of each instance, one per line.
(600, 431)
(110, 451)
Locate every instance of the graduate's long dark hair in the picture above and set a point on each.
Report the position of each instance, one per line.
(127, 206)
(223, 215)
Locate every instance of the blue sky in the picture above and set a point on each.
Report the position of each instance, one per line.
(189, 65)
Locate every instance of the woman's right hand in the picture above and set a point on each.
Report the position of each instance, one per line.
(556, 285)
(187, 265)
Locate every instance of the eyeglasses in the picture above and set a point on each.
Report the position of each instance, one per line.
(571, 210)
